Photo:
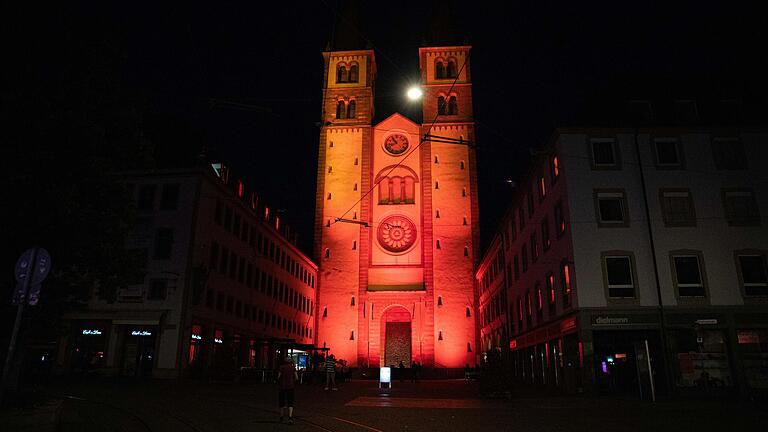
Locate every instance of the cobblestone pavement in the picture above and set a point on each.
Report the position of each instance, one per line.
(124, 405)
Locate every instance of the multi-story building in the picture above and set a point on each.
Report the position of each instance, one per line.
(220, 286)
(492, 285)
(397, 217)
(628, 242)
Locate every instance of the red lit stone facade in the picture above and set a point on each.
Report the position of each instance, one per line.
(403, 256)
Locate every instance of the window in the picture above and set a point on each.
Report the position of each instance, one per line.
(753, 275)
(451, 69)
(686, 111)
(741, 207)
(441, 105)
(453, 108)
(619, 276)
(519, 313)
(687, 275)
(354, 72)
(528, 306)
(158, 289)
(439, 70)
(530, 205)
(555, 168)
(677, 206)
(550, 288)
(525, 258)
(559, 219)
(163, 243)
(341, 73)
(667, 152)
(542, 189)
(169, 197)
(611, 208)
(351, 109)
(521, 218)
(214, 258)
(397, 189)
(604, 153)
(728, 153)
(545, 241)
(224, 260)
(534, 247)
(146, 200)
(341, 109)
(565, 279)
(539, 300)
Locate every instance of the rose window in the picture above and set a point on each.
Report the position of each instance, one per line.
(396, 233)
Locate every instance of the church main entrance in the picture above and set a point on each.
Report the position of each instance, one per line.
(397, 337)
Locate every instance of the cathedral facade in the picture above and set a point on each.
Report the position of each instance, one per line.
(396, 227)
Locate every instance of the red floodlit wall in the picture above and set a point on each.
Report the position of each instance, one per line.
(382, 265)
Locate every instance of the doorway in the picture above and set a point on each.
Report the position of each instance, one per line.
(397, 337)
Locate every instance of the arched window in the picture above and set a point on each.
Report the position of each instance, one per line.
(398, 187)
(451, 69)
(351, 109)
(353, 73)
(341, 74)
(453, 108)
(340, 109)
(441, 105)
(439, 70)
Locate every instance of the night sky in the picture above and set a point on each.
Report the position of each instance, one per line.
(244, 80)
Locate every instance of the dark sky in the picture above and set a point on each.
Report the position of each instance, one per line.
(245, 79)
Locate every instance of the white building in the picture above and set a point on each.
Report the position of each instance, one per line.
(585, 282)
(221, 286)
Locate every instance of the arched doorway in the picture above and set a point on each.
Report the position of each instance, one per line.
(396, 336)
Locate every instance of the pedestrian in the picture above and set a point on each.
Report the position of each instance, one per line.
(286, 379)
(401, 370)
(414, 368)
(330, 372)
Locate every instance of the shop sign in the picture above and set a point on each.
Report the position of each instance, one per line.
(197, 337)
(568, 324)
(91, 332)
(748, 337)
(141, 333)
(708, 321)
(513, 344)
(218, 341)
(385, 375)
(604, 320)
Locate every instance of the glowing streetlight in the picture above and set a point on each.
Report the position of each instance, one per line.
(414, 93)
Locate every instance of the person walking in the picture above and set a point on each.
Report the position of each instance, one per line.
(330, 372)
(286, 379)
(401, 370)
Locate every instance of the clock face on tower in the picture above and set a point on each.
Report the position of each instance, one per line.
(396, 233)
(396, 144)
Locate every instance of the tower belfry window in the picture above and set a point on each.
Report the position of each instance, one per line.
(451, 69)
(453, 108)
(340, 109)
(351, 109)
(341, 74)
(439, 70)
(353, 73)
(441, 105)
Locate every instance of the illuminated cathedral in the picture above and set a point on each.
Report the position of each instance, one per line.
(396, 228)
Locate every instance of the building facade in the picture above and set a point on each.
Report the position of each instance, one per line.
(397, 217)
(220, 286)
(629, 250)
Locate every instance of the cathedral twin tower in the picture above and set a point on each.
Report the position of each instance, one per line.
(396, 272)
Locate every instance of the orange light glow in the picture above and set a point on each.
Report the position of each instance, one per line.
(555, 167)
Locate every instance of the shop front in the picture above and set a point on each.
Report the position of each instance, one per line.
(627, 357)
(89, 346)
(549, 357)
(139, 348)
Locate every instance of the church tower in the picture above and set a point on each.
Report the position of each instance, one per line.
(396, 218)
